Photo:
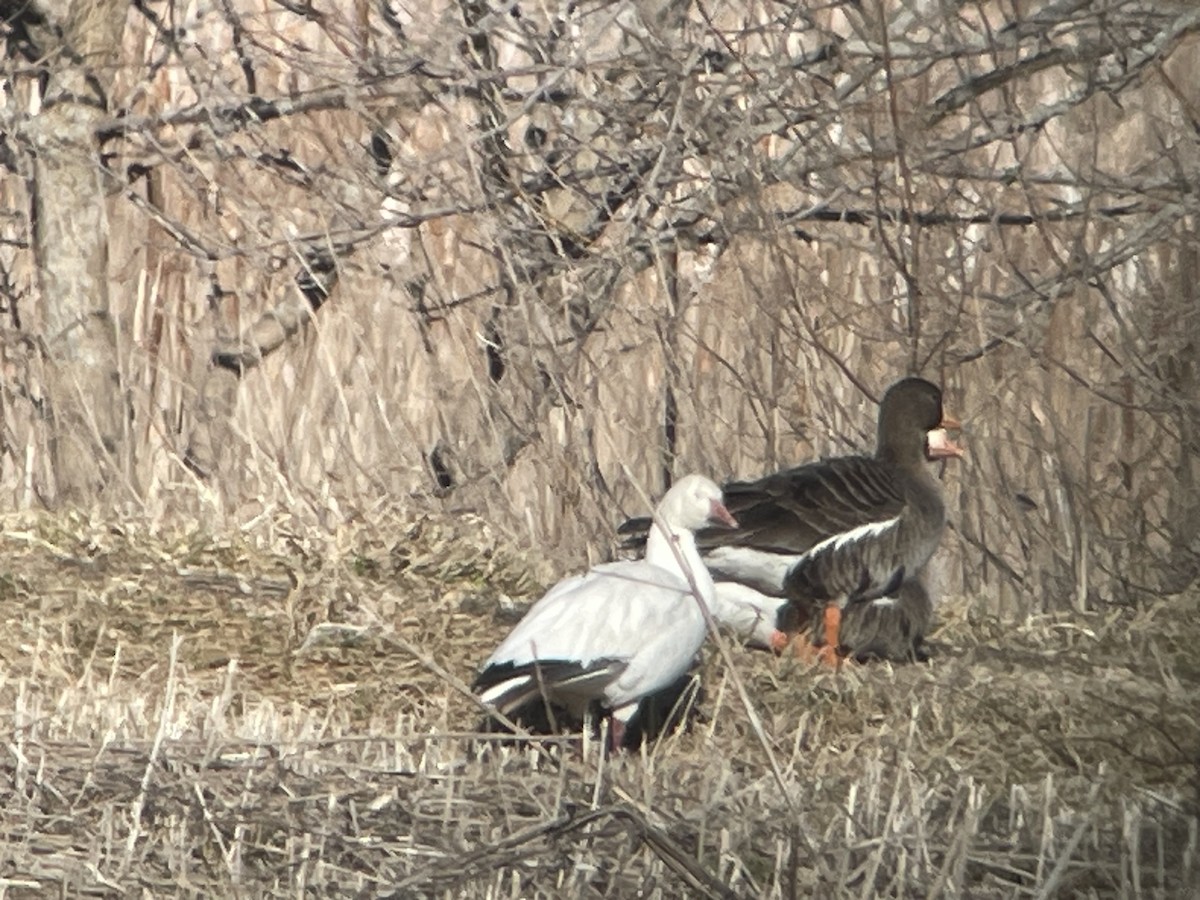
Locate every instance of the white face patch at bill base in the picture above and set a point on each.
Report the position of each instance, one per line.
(939, 446)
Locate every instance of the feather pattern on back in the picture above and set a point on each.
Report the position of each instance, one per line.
(849, 530)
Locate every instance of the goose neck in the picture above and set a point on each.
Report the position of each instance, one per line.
(676, 551)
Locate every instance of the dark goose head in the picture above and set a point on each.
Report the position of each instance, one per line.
(912, 426)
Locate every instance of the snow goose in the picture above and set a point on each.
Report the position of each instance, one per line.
(750, 614)
(621, 631)
(847, 534)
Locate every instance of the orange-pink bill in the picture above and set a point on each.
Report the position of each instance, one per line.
(938, 444)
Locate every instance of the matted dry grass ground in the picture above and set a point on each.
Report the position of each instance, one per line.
(174, 726)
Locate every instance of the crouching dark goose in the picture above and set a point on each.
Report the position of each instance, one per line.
(621, 631)
(845, 535)
(891, 627)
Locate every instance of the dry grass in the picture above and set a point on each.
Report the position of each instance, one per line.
(281, 710)
(171, 732)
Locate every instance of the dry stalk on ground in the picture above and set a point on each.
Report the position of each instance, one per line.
(168, 733)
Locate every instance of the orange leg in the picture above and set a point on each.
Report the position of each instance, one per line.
(833, 625)
(827, 653)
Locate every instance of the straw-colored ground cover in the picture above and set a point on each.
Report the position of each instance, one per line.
(174, 726)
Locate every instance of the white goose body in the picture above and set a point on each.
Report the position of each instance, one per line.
(622, 630)
(749, 613)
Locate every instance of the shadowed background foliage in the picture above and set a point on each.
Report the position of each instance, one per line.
(330, 332)
(528, 260)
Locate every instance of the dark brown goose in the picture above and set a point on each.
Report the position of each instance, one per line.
(849, 534)
(892, 627)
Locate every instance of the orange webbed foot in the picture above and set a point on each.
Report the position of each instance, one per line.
(825, 655)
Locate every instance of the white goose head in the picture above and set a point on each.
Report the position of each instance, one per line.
(692, 503)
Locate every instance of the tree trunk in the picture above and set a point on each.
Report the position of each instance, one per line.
(80, 47)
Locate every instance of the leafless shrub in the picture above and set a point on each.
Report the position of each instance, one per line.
(398, 290)
(513, 258)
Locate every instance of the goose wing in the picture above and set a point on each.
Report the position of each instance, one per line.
(833, 508)
(794, 510)
(617, 632)
(791, 511)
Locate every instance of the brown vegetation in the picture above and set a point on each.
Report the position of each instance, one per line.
(291, 294)
(178, 727)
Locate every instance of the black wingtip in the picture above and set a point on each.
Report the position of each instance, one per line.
(636, 526)
(674, 708)
(635, 532)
